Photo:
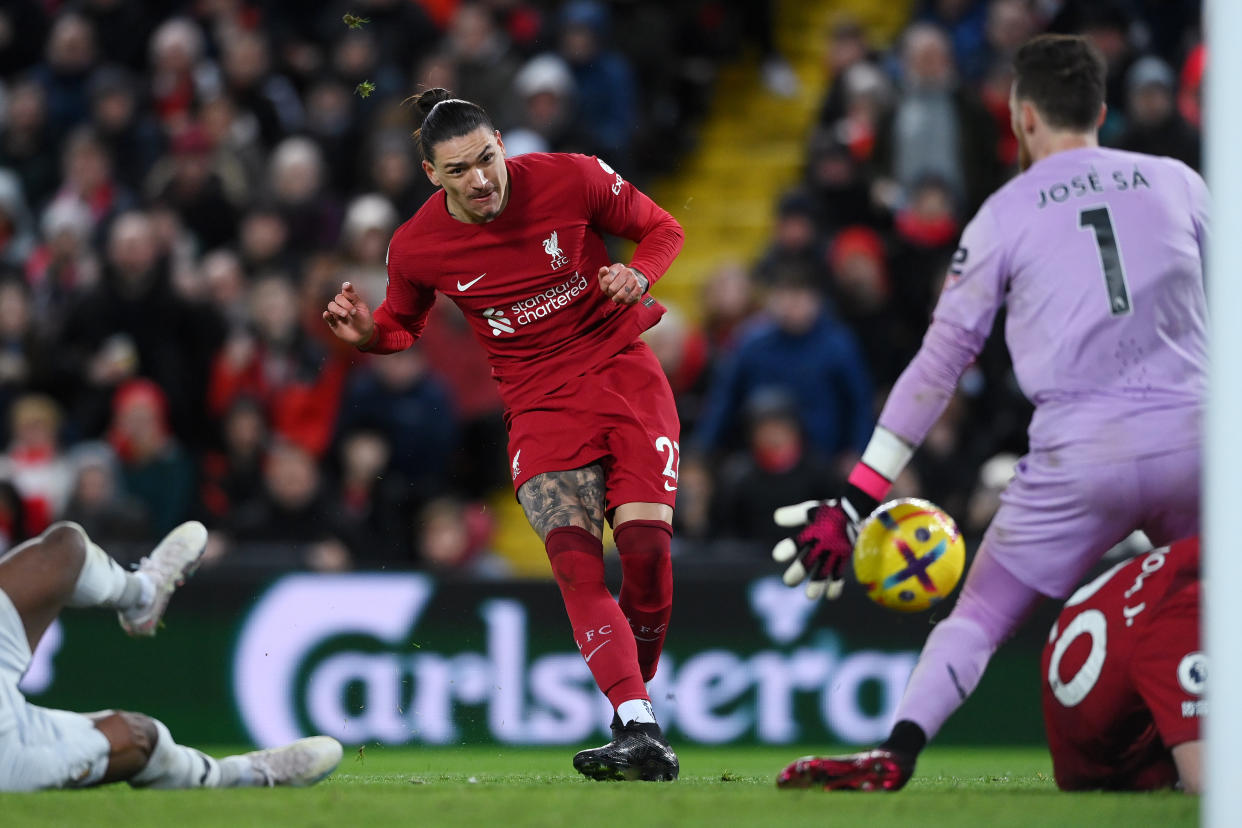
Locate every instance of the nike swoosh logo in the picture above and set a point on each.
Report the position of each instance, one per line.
(596, 650)
(468, 285)
(669, 488)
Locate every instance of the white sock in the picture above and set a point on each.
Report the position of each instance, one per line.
(175, 766)
(636, 711)
(105, 583)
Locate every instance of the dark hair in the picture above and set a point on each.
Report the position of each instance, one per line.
(444, 118)
(1063, 75)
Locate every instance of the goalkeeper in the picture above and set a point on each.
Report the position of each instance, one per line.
(1098, 256)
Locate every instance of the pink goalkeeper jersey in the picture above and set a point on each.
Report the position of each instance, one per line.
(1097, 255)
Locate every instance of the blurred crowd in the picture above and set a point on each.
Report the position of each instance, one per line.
(183, 186)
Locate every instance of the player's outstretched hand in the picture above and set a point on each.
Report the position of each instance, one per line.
(622, 284)
(349, 317)
(821, 545)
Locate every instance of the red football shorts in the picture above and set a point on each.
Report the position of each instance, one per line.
(620, 414)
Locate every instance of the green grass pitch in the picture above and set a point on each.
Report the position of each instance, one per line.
(478, 786)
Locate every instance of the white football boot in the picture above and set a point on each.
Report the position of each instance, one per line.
(296, 764)
(169, 564)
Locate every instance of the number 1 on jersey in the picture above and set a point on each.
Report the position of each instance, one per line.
(1101, 221)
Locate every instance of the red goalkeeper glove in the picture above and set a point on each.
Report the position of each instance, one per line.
(823, 541)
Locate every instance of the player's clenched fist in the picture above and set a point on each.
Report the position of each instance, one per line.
(349, 317)
(622, 284)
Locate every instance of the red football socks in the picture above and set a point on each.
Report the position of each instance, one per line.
(600, 629)
(646, 586)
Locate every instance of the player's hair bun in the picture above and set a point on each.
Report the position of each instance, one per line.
(427, 100)
(455, 118)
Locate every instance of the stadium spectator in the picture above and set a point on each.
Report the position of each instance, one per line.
(965, 23)
(224, 287)
(87, 178)
(682, 351)
(394, 173)
(795, 238)
(130, 134)
(478, 467)
(155, 467)
(297, 182)
(400, 397)
(925, 233)
(483, 63)
(190, 186)
(937, 127)
(334, 124)
(232, 473)
(1153, 124)
(801, 349)
(27, 350)
(371, 502)
(291, 522)
(451, 540)
(1010, 23)
(365, 232)
(99, 502)
(777, 468)
(862, 292)
(257, 91)
(237, 155)
(607, 102)
(65, 72)
(35, 462)
(27, 146)
(546, 122)
(178, 72)
(17, 237)
(297, 379)
(264, 241)
(846, 47)
(840, 185)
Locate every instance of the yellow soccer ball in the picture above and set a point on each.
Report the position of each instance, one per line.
(909, 555)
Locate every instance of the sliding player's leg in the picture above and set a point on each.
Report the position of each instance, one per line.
(59, 749)
(62, 567)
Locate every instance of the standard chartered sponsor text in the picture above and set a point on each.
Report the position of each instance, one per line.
(541, 304)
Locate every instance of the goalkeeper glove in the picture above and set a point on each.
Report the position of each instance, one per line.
(823, 540)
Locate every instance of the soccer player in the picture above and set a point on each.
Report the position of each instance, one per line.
(593, 431)
(1123, 677)
(43, 749)
(1098, 256)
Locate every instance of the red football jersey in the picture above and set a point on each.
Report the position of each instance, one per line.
(526, 280)
(1123, 674)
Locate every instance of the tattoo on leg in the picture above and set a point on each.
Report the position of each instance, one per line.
(568, 498)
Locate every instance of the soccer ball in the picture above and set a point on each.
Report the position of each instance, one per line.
(909, 555)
